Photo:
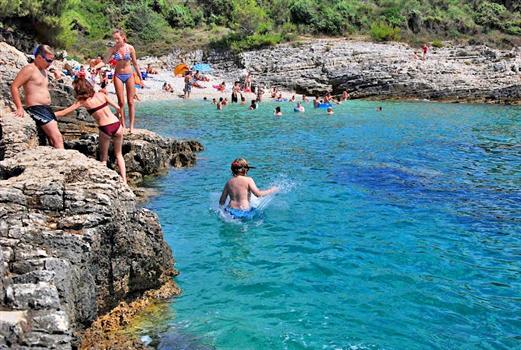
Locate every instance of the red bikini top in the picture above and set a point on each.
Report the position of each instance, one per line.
(95, 109)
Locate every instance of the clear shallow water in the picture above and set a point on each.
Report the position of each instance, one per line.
(398, 229)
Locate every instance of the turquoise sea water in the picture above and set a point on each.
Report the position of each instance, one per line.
(398, 229)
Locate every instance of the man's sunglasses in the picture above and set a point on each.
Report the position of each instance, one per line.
(48, 60)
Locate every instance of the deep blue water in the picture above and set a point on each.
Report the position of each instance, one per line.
(398, 229)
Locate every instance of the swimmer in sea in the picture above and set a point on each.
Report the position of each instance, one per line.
(240, 188)
(330, 111)
(277, 111)
(299, 108)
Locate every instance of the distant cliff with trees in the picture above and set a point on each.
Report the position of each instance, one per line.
(154, 26)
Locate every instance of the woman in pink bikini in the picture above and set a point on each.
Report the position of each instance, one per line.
(97, 104)
(122, 54)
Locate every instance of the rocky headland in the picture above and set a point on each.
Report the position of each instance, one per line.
(74, 243)
(457, 73)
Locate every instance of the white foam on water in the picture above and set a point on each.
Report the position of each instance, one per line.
(284, 185)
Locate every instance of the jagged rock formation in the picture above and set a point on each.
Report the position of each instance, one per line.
(145, 152)
(73, 241)
(73, 244)
(371, 70)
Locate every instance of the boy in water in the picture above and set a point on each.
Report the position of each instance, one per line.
(34, 80)
(239, 188)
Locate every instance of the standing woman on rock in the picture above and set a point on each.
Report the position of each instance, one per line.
(122, 54)
(110, 129)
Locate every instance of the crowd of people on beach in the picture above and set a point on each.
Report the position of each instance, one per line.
(120, 67)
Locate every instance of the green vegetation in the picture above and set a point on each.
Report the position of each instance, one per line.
(381, 31)
(155, 26)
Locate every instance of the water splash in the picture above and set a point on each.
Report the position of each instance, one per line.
(282, 182)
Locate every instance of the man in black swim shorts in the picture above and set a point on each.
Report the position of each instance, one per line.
(34, 80)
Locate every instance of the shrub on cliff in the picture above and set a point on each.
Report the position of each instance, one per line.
(44, 15)
(247, 16)
(256, 41)
(179, 16)
(144, 23)
(302, 11)
(329, 21)
(490, 15)
(383, 32)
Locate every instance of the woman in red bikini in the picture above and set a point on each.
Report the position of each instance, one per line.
(123, 54)
(97, 104)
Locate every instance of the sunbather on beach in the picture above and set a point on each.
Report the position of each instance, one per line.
(199, 76)
(239, 189)
(221, 87)
(196, 84)
(151, 70)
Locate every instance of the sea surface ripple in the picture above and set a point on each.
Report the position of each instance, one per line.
(398, 229)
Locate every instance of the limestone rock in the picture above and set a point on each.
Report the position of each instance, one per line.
(16, 134)
(76, 243)
(372, 70)
(145, 152)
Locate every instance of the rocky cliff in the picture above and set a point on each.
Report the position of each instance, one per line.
(372, 70)
(73, 241)
(74, 244)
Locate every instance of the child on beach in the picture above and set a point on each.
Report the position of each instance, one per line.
(239, 188)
